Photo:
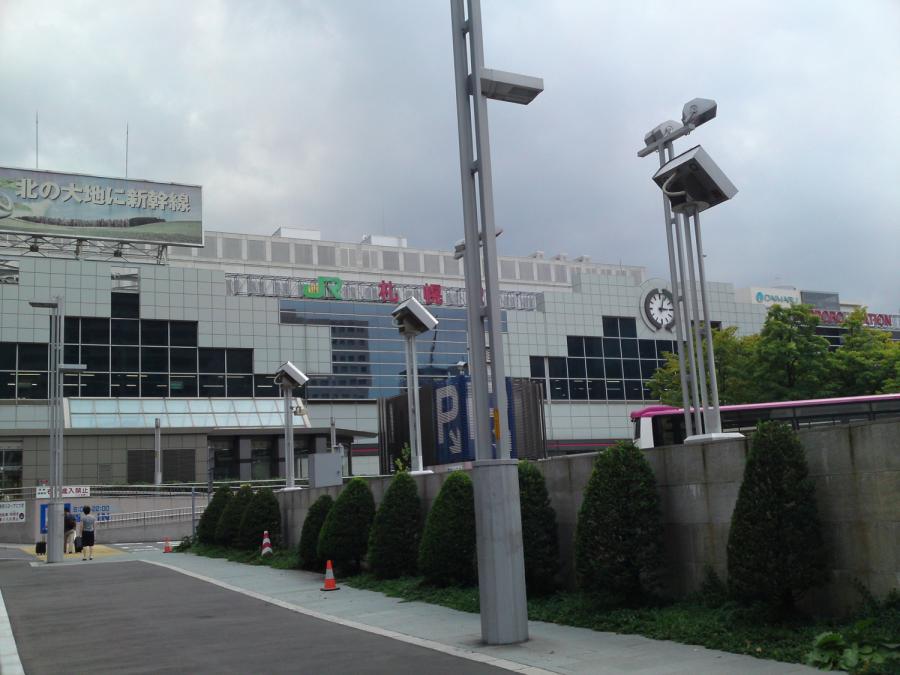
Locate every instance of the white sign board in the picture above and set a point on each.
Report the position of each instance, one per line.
(76, 491)
(12, 512)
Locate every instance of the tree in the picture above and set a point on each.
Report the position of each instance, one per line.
(309, 535)
(394, 539)
(867, 359)
(618, 536)
(447, 555)
(775, 546)
(345, 533)
(261, 515)
(206, 528)
(539, 535)
(230, 521)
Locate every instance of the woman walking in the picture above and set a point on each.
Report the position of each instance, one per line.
(87, 534)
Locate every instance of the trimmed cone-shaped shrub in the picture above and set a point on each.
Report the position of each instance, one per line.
(539, 535)
(775, 547)
(261, 515)
(618, 537)
(206, 528)
(230, 521)
(309, 535)
(447, 554)
(394, 540)
(345, 534)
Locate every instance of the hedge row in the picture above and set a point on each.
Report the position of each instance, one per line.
(239, 520)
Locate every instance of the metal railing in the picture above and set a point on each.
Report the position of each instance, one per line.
(145, 518)
(148, 490)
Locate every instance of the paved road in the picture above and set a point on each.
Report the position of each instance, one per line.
(132, 617)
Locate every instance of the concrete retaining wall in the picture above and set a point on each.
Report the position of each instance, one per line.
(856, 469)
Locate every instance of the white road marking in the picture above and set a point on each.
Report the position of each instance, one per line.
(9, 653)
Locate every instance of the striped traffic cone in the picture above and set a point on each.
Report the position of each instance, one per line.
(330, 584)
(266, 545)
(168, 547)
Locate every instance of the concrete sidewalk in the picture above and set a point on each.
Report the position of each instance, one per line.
(559, 649)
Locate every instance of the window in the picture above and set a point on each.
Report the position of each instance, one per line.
(281, 252)
(95, 331)
(543, 272)
(411, 262)
(178, 465)
(183, 360)
(95, 358)
(508, 269)
(326, 256)
(124, 306)
(303, 254)
(124, 332)
(432, 264)
(154, 359)
(232, 248)
(256, 250)
(154, 385)
(32, 356)
(7, 355)
(526, 271)
(390, 261)
(240, 360)
(10, 464)
(183, 333)
(537, 366)
(263, 459)
(153, 332)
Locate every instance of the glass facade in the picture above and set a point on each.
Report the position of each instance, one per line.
(367, 351)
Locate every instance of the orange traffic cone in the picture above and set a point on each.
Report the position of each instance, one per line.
(330, 584)
(168, 547)
(266, 545)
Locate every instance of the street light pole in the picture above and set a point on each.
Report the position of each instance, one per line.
(498, 524)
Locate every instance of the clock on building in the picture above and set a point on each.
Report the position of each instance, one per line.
(659, 308)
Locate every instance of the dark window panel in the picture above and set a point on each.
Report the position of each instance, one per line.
(661, 364)
(265, 386)
(610, 326)
(95, 358)
(154, 385)
(634, 390)
(212, 386)
(597, 390)
(575, 345)
(125, 359)
(125, 332)
(32, 385)
(7, 355)
(613, 367)
(125, 305)
(648, 368)
(183, 360)
(71, 329)
(595, 368)
(648, 395)
(578, 390)
(94, 331)
(7, 385)
(239, 360)
(212, 360)
(70, 354)
(611, 347)
(559, 390)
(183, 333)
(627, 327)
(557, 366)
(183, 385)
(631, 369)
(239, 385)
(125, 385)
(615, 390)
(647, 349)
(71, 389)
(576, 368)
(154, 332)
(629, 349)
(95, 384)
(663, 347)
(537, 366)
(154, 360)
(32, 356)
(593, 346)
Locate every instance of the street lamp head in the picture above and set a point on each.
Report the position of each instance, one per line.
(660, 131)
(698, 111)
(510, 87)
(289, 374)
(411, 318)
(692, 180)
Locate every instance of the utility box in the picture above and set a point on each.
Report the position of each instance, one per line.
(325, 469)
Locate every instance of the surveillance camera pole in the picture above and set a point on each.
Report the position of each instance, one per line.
(412, 397)
(289, 464)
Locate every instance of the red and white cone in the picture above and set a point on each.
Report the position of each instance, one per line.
(266, 545)
(330, 584)
(168, 547)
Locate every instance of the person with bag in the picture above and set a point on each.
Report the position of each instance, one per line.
(69, 529)
(88, 522)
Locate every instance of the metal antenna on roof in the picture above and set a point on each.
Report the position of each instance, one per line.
(126, 149)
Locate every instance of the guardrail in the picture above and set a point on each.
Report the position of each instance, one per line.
(145, 490)
(145, 518)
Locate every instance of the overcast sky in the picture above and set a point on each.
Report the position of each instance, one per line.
(339, 115)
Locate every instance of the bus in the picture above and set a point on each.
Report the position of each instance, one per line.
(664, 425)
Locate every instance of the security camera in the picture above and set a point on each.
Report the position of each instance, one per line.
(693, 180)
(698, 111)
(412, 318)
(660, 131)
(459, 249)
(289, 373)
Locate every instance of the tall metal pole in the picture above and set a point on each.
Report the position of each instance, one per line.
(700, 373)
(689, 343)
(713, 415)
(55, 534)
(288, 433)
(157, 453)
(412, 398)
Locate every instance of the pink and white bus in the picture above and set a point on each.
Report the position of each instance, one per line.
(664, 425)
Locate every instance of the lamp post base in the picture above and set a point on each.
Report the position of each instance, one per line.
(55, 534)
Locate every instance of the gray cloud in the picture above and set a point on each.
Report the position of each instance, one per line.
(341, 116)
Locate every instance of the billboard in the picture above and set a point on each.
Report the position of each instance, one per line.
(74, 206)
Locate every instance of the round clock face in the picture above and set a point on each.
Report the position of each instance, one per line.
(659, 308)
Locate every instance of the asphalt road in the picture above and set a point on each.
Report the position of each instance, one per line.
(131, 617)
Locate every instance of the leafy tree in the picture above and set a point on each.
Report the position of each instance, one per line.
(230, 521)
(539, 535)
(345, 533)
(309, 535)
(394, 540)
(206, 528)
(447, 554)
(261, 515)
(775, 546)
(618, 537)
(867, 359)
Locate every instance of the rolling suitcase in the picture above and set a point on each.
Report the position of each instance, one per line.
(78, 545)
(40, 548)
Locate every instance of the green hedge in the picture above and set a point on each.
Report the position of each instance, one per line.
(539, 535)
(775, 546)
(447, 554)
(618, 537)
(206, 528)
(261, 515)
(345, 534)
(230, 521)
(309, 535)
(394, 540)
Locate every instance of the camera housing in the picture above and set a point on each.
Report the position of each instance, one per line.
(288, 372)
(697, 176)
(698, 111)
(412, 318)
(660, 131)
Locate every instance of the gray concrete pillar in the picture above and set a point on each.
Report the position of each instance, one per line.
(245, 455)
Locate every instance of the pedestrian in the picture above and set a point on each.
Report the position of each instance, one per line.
(87, 534)
(69, 529)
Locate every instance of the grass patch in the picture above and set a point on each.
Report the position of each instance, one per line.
(281, 559)
(412, 589)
